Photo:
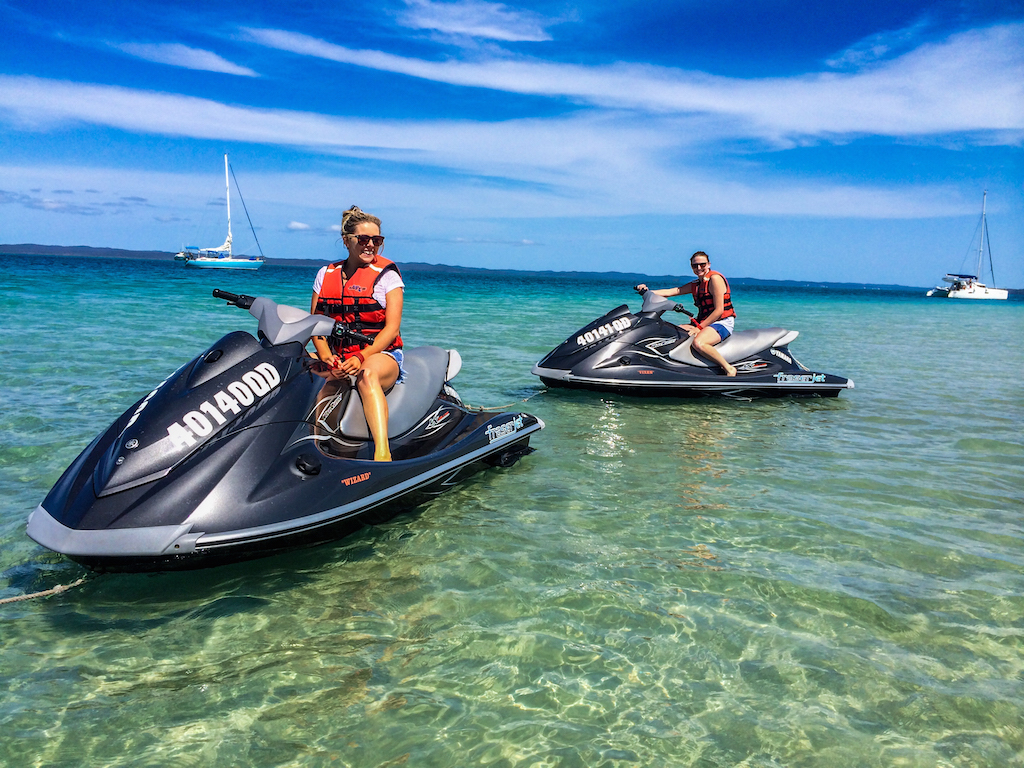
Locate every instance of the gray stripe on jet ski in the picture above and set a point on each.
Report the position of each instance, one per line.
(128, 542)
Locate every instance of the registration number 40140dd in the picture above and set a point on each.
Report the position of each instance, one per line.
(209, 415)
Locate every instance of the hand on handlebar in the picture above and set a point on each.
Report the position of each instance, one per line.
(641, 289)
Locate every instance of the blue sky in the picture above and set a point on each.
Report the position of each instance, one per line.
(841, 140)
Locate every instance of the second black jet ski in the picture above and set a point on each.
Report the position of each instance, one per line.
(255, 447)
(643, 354)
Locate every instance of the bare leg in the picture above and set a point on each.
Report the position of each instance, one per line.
(378, 373)
(704, 343)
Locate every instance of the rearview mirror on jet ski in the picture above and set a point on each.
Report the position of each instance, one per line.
(645, 355)
(252, 448)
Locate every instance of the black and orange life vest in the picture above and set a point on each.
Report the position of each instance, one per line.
(705, 299)
(352, 302)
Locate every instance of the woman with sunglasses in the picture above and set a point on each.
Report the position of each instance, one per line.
(715, 315)
(364, 291)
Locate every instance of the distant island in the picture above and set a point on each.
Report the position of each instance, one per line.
(85, 251)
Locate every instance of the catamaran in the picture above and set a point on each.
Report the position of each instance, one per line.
(222, 257)
(967, 286)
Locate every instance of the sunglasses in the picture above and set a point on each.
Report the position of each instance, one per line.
(365, 240)
(699, 264)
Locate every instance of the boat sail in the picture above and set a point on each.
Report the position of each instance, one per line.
(967, 286)
(222, 257)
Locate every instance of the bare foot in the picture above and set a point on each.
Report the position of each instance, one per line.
(730, 370)
(382, 457)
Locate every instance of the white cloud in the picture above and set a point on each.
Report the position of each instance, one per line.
(32, 201)
(884, 45)
(640, 185)
(974, 81)
(644, 155)
(178, 55)
(410, 208)
(473, 18)
(490, 148)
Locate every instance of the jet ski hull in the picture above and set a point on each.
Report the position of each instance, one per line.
(681, 385)
(354, 493)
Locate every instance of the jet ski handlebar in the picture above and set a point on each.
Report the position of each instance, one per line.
(342, 331)
(658, 302)
(239, 300)
(281, 324)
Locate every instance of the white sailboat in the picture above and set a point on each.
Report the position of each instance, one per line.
(222, 257)
(967, 286)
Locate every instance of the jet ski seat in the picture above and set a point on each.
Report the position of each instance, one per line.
(426, 370)
(739, 345)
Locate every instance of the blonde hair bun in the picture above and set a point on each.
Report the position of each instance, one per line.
(355, 216)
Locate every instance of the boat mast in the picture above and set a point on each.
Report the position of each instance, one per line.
(981, 245)
(227, 193)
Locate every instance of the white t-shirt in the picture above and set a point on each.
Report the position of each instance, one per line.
(388, 282)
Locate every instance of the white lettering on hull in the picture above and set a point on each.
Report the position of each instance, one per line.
(800, 378)
(504, 430)
(604, 331)
(202, 422)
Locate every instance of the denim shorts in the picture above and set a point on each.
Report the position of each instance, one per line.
(398, 357)
(724, 327)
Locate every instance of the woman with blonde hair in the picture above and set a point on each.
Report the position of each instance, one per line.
(364, 291)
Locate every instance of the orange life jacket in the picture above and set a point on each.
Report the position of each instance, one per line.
(705, 300)
(351, 301)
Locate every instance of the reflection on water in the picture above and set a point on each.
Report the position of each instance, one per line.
(707, 583)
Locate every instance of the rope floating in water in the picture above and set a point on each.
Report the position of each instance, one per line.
(45, 593)
(479, 408)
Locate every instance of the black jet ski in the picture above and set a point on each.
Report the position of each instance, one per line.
(642, 354)
(255, 447)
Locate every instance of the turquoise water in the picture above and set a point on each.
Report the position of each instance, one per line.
(705, 583)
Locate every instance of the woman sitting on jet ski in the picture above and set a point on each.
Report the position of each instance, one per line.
(364, 291)
(715, 314)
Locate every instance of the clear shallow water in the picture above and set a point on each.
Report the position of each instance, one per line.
(708, 583)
